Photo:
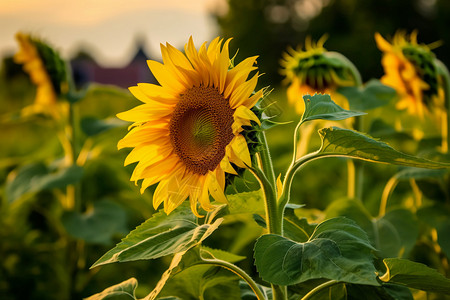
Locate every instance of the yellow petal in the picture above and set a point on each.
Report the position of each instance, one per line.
(245, 113)
(382, 44)
(143, 134)
(164, 76)
(226, 166)
(240, 149)
(178, 58)
(215, 188)
(240, 95)
(145, 113)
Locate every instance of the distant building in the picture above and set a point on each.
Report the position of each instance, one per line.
(86, 70)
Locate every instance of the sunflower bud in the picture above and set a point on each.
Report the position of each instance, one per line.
(46, 70)
(316, 70)
(410, 68)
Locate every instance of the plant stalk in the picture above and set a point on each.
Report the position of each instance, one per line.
(319, 288)
(239, 272)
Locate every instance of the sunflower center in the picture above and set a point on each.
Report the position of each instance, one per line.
(200, 128)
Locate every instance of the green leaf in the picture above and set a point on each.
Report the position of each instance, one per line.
(93, 126)
(437, 216)
(297, 229)
(159, 236)
(372, 95)
(37, 177)
(246, 203)
(418, 173)
(97, 225)
(415, 275)
(348, 143)
(122, 291)
(394, 235)
(322, 107)
(337, 250)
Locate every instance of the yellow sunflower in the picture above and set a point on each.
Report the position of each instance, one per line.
(188, 131)
(410, 69)
(316, 70)
(28, 55)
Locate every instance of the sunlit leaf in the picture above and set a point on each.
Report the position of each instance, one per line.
(337, 250)
(159, 236)
(122, 291)
(37, 177)
(350, 143)
(415, 275)
(320, 106)
(247, 202)
(98, 224)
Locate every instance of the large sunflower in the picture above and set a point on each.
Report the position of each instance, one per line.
(316, 70)
(188, 131)
(410, 69)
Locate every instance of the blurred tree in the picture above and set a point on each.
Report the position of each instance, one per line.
(267, 27)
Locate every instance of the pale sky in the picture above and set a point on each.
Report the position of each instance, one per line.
(108, 27)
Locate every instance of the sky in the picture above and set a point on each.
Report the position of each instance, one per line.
(108, 28)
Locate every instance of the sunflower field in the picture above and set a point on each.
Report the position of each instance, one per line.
(290, 174)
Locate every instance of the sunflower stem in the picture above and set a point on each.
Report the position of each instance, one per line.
(319, 288)
(266, 160)
(238, 271)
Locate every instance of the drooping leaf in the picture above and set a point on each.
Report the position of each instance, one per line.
(93, 126)
(97, 225)
(122, 291)
(159, 236)
(349, 143)
(337, 250)
(320, 106)
(37, 177)
(372, 95)
(415, 275)
(393, 235)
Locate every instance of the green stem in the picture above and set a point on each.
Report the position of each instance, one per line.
(238, 271)
(266, 160)
(318, 288)
(388, 189)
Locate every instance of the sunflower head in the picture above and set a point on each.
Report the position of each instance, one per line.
(410, 69)
(189, 131)
(46, 70)
(316, 70)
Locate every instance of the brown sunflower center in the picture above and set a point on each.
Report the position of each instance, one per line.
(200, 128)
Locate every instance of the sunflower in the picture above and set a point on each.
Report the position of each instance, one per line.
(316, 70)
(410, 69)
(46, 70)
(188, 132)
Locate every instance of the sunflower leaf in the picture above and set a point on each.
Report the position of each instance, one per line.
(374, 94)
(322, 107)
(123, 290)
(159, 236)
(415, 275)
(337, 250)
(349, 143)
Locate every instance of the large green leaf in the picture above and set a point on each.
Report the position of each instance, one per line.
(98, 224)
(320, 106)
(37, 177)
(372, 95)
(393, 235)
(415, 275)
(159, 236)
(246, 203)
(122, 291)
(337, 250)
(349, 143)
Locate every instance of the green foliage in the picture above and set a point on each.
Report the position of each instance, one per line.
(320, 106)
(344, 142)
(337, 250)
(37, 177)
(122, 291)
(97, 225)
(93, 126)
(372, 95)
(415, 275)
(159, 236)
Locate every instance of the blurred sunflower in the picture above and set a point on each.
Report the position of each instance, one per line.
(410, 69)
(316, 70)
(188, 131)
(46, 70)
